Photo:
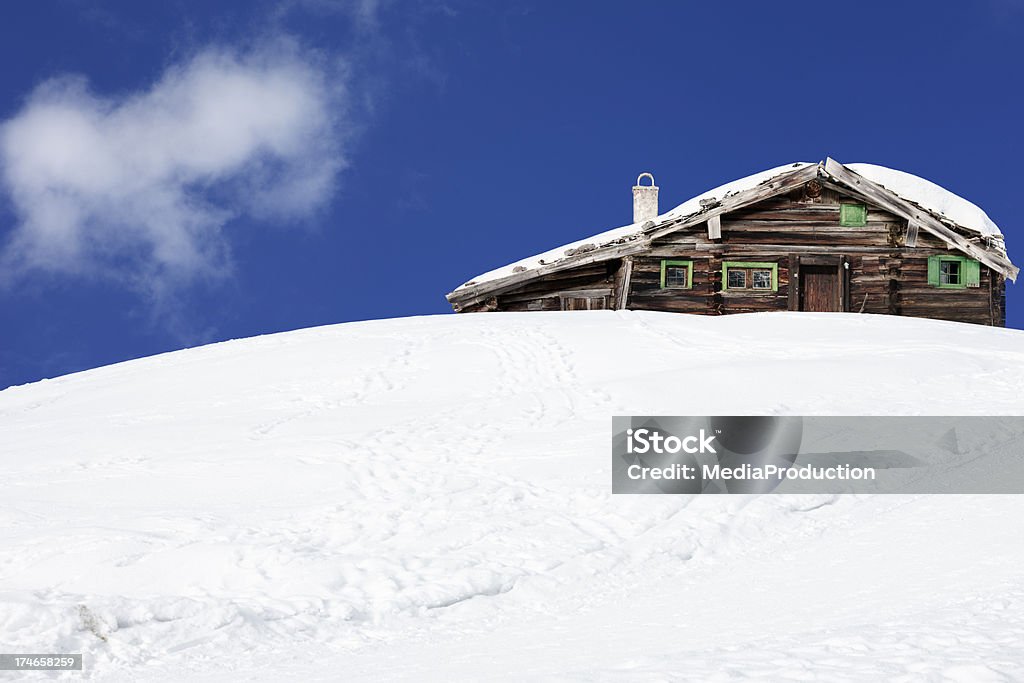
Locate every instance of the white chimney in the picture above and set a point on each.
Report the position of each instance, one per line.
(645, 199)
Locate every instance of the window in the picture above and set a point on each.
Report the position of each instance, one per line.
(949, 272)
(746, 276)
(953, 272)
(676, 274)
(737, 278)
(853, 215)
(761, 279)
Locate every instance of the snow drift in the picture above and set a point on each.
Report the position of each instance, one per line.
(429, 498)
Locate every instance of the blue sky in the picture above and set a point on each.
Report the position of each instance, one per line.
(184, 172)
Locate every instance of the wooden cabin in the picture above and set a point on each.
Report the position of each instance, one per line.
(803, 237)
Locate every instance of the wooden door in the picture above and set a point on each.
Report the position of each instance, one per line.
(819, 288)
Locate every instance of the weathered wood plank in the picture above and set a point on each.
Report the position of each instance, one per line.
(715, 227)
(911, 238)
(622, 292)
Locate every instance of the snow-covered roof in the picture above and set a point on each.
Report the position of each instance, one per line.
(695, 204)
(634, 230)
(608, 237)
(924, 193)
(928, 195)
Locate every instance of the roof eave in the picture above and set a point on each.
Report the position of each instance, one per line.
(472, 294)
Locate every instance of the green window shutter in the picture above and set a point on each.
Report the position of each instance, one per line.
(972, 272)
(933, 270)
(853, 215)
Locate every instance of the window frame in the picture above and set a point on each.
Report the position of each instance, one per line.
(846, 221)
(970, 271)
(750, 265)
(667, 263)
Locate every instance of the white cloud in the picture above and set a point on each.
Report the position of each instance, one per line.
(139, 186)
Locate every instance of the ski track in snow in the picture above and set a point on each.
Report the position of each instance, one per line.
(428, 498)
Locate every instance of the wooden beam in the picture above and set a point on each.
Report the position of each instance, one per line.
(781, 248)
(911, 240)
(622, 296)
(584, 293)
(991, 300)
(794, 282)
(870, 191)
(821, 260)
(715, 227)
(844, 284)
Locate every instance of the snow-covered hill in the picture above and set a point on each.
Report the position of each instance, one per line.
(429, 498)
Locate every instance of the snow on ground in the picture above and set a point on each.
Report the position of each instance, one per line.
(428, 499)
